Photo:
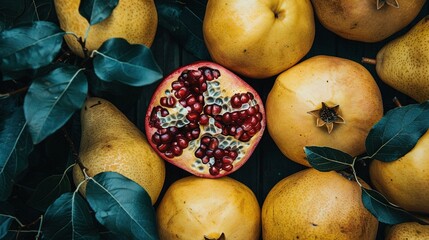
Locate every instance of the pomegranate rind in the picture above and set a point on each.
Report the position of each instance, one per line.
(230, 84)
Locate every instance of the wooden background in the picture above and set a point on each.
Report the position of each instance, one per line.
(268, 165)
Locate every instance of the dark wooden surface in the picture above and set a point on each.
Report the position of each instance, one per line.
(268, 165)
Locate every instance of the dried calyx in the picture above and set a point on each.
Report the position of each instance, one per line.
(204, 119)
(327, 116)
(381, 3)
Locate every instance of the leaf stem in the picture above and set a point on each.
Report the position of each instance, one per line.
(39, 230)
(9, 94)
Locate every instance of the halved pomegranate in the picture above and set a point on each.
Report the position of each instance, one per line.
(205, 119)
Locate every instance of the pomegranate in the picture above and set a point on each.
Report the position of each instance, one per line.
(208, 209)
(205, 119)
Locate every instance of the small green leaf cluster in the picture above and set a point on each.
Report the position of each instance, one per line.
(392, 137)
(50, 87)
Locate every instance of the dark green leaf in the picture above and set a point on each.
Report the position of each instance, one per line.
(96, 11)
(52, 99)
(29, 46)
(383, 210)
(48, 190)
(122, 206)
(326, 159)
(185, 25)
(131, 64)
(69, 217)
(398, 132)
(15, 145)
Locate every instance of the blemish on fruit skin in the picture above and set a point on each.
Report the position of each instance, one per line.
(95, 104)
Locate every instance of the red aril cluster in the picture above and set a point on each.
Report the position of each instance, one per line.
(205, 119)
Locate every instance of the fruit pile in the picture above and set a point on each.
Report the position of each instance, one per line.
(207, 120)
(343, 163)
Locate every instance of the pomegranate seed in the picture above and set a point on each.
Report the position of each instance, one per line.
(192, 125)
(163, 147)
(181, 142)
(169, 154)
(195, 133)
(226, 118)
(252, 132)
(247, 125)
(192, 117)
(204, 120)
(182, 93)
(199, 153)
(251, 97)
(244, 98)
(238, 132)
(190, 100)
(214, 171)
(218, 124)
(197, 107)
(173, 130)
(216, 109)
(164, 112)
(205, 140)
(163, 130)
(166, 138)
(245, 137)
(235, 101)
(233, 155)
(176, 85)
(196, 74)
(156, 138)
(218, 153)
(227, 167)
(227, 160)
(203, 87)
(177, 151)
(232, 130)
(167, 101)
(259, 116)
(213, 144)
(235, 116)
(258, 126)
(208, 109)
(243, 114)
(251, 111)
(207, 73)
(205, 159)
(209, 153)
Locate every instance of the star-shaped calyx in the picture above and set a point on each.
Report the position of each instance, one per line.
(393, 3)
(327, 116)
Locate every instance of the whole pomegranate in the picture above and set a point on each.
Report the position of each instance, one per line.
(323, 101)
(202, 208)
(205, 119)
(317, 205)
(404, 181)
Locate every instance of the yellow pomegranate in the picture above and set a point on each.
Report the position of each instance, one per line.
(206, 208)
(408, 230)
(111, 142)
(316, 205)
(405, 182)
(134, 20)
(323, 101)
(256, 38)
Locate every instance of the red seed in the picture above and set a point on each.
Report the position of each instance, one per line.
(205, 140)
(204, 120)
(182, 93)
(235, 101)
(163, 147)
(181, 142)
(208, 109)
(213, 143)
(218, 153)
(233, 155)
(176, 85)
(216, 109)
(227, 160)
(164, 112)
(177, 151)
(227, 167)
(169, 154)
(192, 116)
(226, 118)
(199, 153)
(156, 138)
(205, 159)
(214, 171)
(197, 107)
(166, 138)
(244, 98)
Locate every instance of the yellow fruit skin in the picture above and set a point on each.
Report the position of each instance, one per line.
(110, 142)
(134, 20)
(360, 20)
(194, 207)
(403, 62)
(408, 231)
(303, 87)
(247, 37)
(316, 205)
(405, 182)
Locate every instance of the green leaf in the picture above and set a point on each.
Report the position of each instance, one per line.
(29, 46)
(398, 132)
(52, 99)
(48, 190)
(185, 25)
(383, 210)
(326, 159)
(15, 145)
(96, 11)
(131, 64)
(69, 217)
(122, 206)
